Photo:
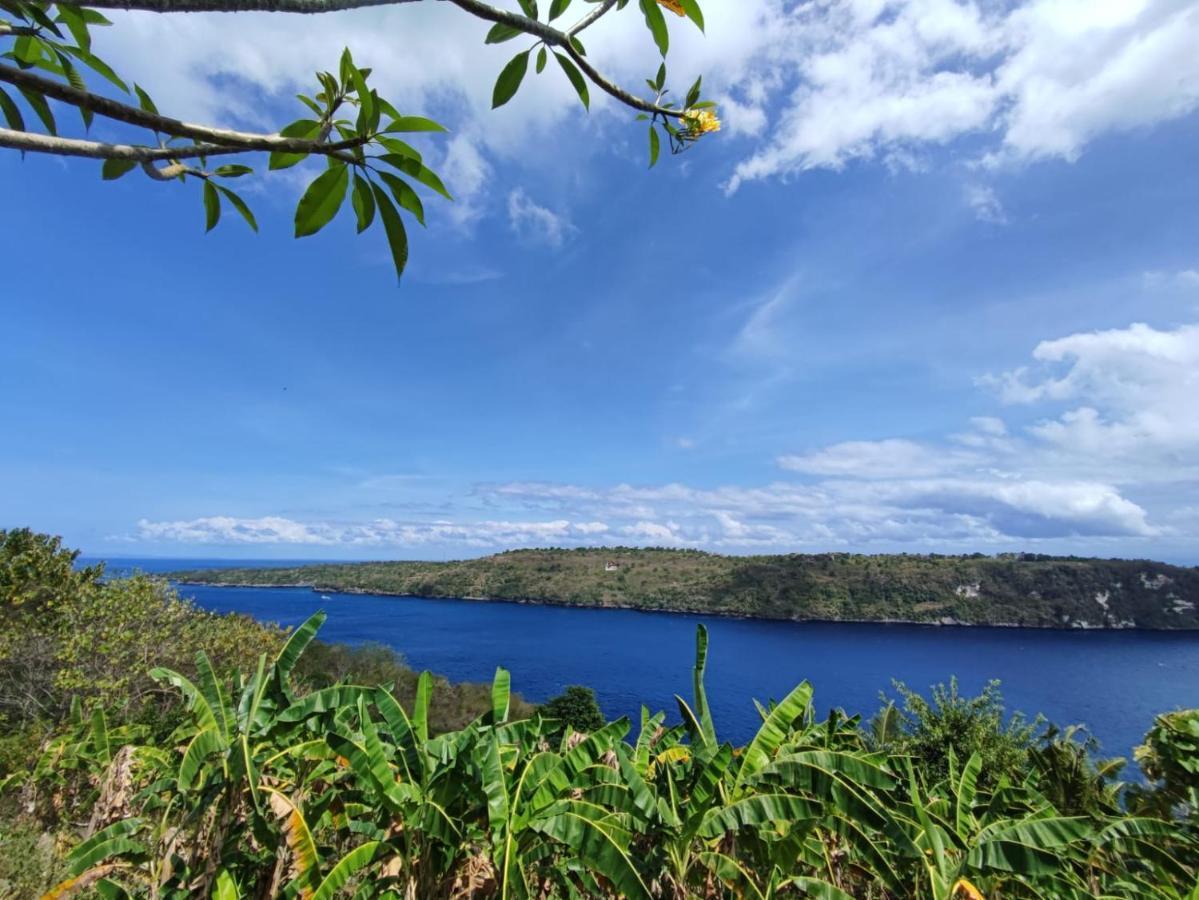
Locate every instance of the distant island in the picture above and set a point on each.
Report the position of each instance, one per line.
(1024, 589)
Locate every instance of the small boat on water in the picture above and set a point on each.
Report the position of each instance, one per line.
(326, 597)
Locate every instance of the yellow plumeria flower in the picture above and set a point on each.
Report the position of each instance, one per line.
(674, 6)
(698, 122)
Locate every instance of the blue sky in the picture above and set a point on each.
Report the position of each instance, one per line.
(934, 287)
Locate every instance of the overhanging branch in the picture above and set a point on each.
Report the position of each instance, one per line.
(60, 146)
(132, 115)
(201, 6)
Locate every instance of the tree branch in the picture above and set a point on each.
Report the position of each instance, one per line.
(132, 115)
(61, 146)
(561, 39)
(588, 20)
(201, 6)
(477, 8)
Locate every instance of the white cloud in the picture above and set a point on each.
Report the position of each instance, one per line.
(1113, 462)
(1081, 68)
(869, 459)
(536, 223)
(803, 85)
(467, 172)
(1043, 77)
(986, 204)
(1134, 392)
(229, 530)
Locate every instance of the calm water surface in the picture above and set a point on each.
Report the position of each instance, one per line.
(1113, 681)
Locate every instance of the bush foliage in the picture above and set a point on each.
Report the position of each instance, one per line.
(317, 771)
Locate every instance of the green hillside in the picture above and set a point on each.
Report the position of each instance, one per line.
(1011, 589)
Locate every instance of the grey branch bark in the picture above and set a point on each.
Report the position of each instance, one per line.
(200, 6)
(132, 115)
(588, 20)
(62, 146)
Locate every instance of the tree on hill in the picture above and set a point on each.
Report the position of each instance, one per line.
(576, 706)
(48, 60)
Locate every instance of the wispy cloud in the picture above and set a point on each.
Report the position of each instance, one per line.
(537, 223)
(1115, 437)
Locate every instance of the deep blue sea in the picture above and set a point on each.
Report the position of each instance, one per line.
(1114, 682)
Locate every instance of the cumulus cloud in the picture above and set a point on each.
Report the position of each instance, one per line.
(1131, 391)
(1039, 79)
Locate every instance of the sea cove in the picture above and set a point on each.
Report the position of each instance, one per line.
(1114, 682)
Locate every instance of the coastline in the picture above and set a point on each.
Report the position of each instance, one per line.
(944, 622)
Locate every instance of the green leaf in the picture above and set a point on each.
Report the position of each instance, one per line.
(202, 746)
(656, 22)
(100, 66)
(421, 173)
(299, 639)
(541, 58)
(225, 888)
(529, 7)
(412, 123)
(576, 79)
(333, 697)
(320, 204)
(212, 206)
(420, 705)
(557, 8)
(397, 240)
(307, 129)
(500, 33)
(115, 168)
(405, 195)
(39, 105)
(693, 94)
(758, 811)
(694, 13)
(196, 703)
(495, 787)
(232, 171)
(510, 78)
(240, 205)
(75, 23)
(12, 114)
(349, 865)
(144, 101)
(501, 689)
(702, 712)
(595, 846)
(774, 731)
(366, 100)
(78, 857)
(364, 203)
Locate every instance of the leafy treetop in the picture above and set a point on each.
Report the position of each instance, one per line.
(46, 61)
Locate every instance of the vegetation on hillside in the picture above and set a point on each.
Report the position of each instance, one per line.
(73, 643)
(298, 769)
(262, 791)
(1011, 589)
